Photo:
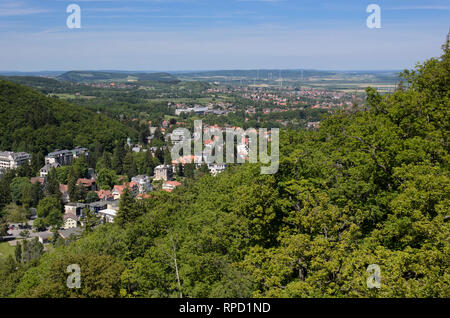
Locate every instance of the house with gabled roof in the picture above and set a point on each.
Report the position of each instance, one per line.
(118, 189)
(70, 221)
(169, 186)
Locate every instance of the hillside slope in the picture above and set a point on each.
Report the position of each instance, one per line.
(32, 122)
(91, 76)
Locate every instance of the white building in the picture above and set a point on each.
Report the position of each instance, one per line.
(197, 110)
(43, 172)
(176, 136)
(65, 157)
(79, 151)
(61, 157)
(169, 186)
(144, 183)
(107, 215)
(12, 160)
(70, 221)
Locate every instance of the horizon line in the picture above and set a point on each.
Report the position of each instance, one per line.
(204, 70)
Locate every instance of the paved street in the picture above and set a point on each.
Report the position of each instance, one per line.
(16, 231)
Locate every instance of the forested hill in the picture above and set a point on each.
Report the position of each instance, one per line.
(42, 84)
(90, 76)
(34, 123)
(372, 186)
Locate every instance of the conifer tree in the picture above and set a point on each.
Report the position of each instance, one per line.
(127, 211)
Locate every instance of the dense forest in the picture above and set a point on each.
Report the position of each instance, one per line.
(35, 123)
(371, 186)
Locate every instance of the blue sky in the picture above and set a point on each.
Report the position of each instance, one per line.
(220, 34)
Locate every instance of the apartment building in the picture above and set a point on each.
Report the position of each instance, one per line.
(65, 157)
(13, 160)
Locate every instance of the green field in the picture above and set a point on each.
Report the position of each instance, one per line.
(169, 117)
(5, 250)
(357, 87)
(71, 96)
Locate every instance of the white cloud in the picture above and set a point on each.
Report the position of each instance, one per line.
(419, 8)
(15, 8)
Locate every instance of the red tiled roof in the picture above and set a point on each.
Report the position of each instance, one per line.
(37, 179)
(63, 188)
(143, 196)
(120, 188)
(86, 182)
(186, 159)
(133, 183)
(172, 183)
(104, 194)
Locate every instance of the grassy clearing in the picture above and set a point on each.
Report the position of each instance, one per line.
(72, 96)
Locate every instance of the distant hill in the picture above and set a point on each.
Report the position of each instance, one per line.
(38, 73)
(32, 122)
(43, 84)
(92, 76)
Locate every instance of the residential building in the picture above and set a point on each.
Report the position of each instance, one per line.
(89, 184)
(197, 110)
(169, 186)
(163, 172)
(13, 160)
(144, 183)
(113, 205)
(66, 157)
(197, 160)
(79, 152)
(44, 171)
(95, 207)
(70, 221)
(75, 208)
(107, 215)
(105, 195)
(61, 157)
(176, 136)
(118, 190)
